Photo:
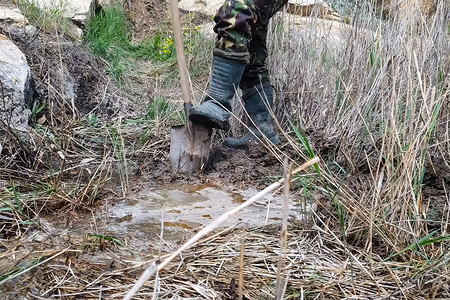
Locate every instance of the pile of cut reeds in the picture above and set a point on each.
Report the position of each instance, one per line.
(318, 266)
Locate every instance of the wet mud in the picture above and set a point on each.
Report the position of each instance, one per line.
(177, 209)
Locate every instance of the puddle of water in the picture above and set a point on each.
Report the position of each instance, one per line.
(182, 208)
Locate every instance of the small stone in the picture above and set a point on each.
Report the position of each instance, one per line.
(12, 16)
(75, 32)
(30, 30)
(40, 237)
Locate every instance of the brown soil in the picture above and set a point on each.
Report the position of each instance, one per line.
(255, 167)
(58, 63)
(148, 17)
(152, 16)
(227, 168)
(70, 66)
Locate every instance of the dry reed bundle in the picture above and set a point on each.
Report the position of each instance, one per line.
(373, 98)
(318, 266)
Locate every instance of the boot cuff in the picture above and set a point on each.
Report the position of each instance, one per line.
(239, 56)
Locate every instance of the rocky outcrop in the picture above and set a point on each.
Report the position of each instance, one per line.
(16, 92)
(207, 7)
(105, 3)
(333, 34)
(13, 22)
(76, 10)
(12, 16)
(304, 8)
(401, 9)
(313, 8)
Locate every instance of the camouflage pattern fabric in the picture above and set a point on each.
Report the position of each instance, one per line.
(241, 27)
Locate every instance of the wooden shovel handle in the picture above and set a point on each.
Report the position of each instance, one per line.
(184, 74)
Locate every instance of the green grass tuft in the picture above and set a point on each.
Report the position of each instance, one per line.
(50, 19)
(108, 35)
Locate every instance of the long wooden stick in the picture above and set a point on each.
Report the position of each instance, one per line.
(151, 270)
(184, 74)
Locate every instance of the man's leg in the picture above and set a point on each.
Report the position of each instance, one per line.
(257, 90)
(233, 27)
(235, 22)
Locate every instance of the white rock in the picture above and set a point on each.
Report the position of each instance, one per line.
(12, 21)
(104, 3)
(30, 30)
(76, 10)
(333, 33)
(313, 8)
(12, 16)
(209, 7)
(312, 37)
(15, 79)
(304, 8)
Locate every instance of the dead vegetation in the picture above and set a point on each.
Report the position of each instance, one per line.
(375, 108)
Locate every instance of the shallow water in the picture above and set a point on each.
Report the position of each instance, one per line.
(182, 208)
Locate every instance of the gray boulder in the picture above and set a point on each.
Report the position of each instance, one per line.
(16, 91)
(13, 22)
(12, 16)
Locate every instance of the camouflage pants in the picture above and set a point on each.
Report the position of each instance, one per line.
(241, 27)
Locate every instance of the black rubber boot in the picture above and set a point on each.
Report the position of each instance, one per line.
(255, 101)
(225, 78)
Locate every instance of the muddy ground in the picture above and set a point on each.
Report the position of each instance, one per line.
(57, 62)
(97, 93)
(65, 222)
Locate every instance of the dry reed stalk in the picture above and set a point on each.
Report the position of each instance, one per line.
(241, 270)
(375, 95)
(317, 264)
(34, 266)
(280, 287)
